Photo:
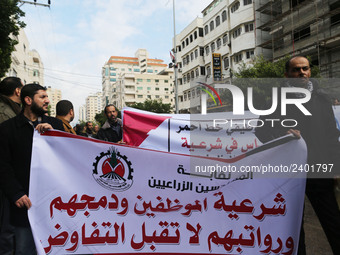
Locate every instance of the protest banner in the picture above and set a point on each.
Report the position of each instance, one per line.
(95, 197)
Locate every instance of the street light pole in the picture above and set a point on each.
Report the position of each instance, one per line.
(175, 60)
(35, 3)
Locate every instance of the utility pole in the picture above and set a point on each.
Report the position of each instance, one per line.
(175, 59)
(35, 3)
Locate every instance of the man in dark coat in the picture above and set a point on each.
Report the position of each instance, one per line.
(323, 147)
(111, 131)
(16, 136)
(10, 101)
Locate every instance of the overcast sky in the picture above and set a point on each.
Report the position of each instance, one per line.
(76, 37)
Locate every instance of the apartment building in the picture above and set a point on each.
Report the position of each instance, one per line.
(93, 105)
(54, 96)
(124, 79)
(82, 113)
(211, 47)
(26, 63)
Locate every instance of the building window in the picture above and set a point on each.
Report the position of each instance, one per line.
(148, 88)
(197, 72)
(302, 34)
(295, 2)
(148, 80)
(136, 70)
(157, 96)
(183, 44)
(187, 59)
(211, 25)
(187, 41)
(150, 71)
(188, 77)
(113, 74)
(167, 97)
(226, 63)
(200, 32)
(218, 21)
(157, 89)
(201, 51)
(193, 93)
(225, 39)
(166, 89)
(191, 56)
(166, 81)
(196, 53)
(212, 45)
(149, 96)
(237, 32)
(112, 68)
(113, 79)
(235, 7)
(192, 75)
(195, 35)
(36, 73)
(184, 79)
(208, 70)
(218, 43)
(207, 50)
(139, 96)
(238, 57)
(224, 16)
(246, 2)
(206, 29)
(249, 27)
(139, 80)
(249, 53)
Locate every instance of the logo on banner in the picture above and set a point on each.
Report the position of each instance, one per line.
(113, 171)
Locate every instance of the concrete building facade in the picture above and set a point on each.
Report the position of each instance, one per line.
(211, 47)
(26, 63)
(124, 80)
(301, 27)
(55, 96)
(93, 105)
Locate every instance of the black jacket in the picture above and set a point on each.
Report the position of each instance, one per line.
(16, 136)
(107, 133)
(318, 130)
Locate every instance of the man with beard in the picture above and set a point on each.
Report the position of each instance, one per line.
(65, 113)
(112, 129)
(16, 136)
(321, 136)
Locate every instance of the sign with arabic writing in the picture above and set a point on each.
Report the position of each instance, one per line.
(95, 197)
(218, 135)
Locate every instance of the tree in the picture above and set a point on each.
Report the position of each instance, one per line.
(153, 106)
(262, 76)
(10, 24)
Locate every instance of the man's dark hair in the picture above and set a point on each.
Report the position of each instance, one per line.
(63, 107)
(287, 65)
(87, 123)
(109, 105)
(30, 90)
(9, 84)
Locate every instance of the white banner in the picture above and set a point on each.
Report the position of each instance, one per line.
(94, 197)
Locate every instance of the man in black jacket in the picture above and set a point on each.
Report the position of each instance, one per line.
(16, 136)
(321, 136)
(111, 131)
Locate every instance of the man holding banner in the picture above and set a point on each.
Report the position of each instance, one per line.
(16, 136)
(321, 136)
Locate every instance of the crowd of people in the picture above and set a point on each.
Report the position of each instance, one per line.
(25, 108)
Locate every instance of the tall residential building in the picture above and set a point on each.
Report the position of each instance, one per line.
(26, 63)
(300, 27)
(123, 78)
(82, 113)
(211, 47)
(93, 106)
(55, 96)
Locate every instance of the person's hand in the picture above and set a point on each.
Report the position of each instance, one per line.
(24, 201)
(121, 142)
(42, 127)
(294, 132)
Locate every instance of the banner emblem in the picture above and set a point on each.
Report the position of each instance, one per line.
(113, 171)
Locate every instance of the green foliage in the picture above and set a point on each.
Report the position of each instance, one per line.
(153, 106)
(100, 118)
(10, 23)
